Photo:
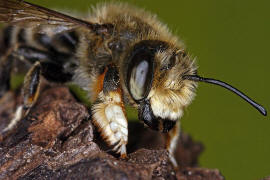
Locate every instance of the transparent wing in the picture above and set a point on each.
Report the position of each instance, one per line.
(26, 14)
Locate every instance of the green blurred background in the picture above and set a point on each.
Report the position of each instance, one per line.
(230, 39)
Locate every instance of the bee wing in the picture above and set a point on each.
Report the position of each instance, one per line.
(23, 13)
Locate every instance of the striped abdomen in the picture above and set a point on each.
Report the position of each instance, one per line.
(55, 51)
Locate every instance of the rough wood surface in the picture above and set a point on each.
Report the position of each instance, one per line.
(58, 141)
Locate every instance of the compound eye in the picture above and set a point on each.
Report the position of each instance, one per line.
(140, 76)
(141, 65)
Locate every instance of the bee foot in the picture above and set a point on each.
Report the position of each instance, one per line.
(173, 161)
(123, 152)
(17, 117)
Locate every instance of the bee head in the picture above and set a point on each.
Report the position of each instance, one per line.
(155, 82)
(162, 81)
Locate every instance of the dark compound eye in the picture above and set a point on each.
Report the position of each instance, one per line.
(140, 79)
(140, 69)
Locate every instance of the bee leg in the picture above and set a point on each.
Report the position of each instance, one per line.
(109, 112)
(30, 93)
(31, 87)
(16, 118)
(43, 63)
(171, 142)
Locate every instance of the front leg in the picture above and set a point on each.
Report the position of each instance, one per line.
(171, 142)
(109, 112)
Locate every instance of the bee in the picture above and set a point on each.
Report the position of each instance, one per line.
(119, 54)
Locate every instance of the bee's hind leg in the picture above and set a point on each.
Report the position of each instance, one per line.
(31, 87)
(171, 142)
(6, 65)
(109, 111)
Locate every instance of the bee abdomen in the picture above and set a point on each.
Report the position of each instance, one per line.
(7, 38)
(55, 51)
(63, 42)
(68, 39)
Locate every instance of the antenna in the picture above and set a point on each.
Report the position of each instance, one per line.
(229, 87)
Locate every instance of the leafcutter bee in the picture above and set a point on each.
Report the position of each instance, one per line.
(120, 55)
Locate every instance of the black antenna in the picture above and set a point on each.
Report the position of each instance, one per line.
(229, 87)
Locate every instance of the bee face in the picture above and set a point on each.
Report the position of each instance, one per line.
(154, 81)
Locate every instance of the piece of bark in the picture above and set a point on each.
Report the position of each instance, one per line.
(57, 141)
(44, 137)
(187, 152)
